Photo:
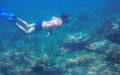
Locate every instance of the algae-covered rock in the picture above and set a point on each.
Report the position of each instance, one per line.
(96, 45)
(76, 40)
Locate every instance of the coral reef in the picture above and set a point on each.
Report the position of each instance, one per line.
(114, 54)
(80, 61)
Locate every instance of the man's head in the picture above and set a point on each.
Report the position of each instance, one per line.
(65, 17)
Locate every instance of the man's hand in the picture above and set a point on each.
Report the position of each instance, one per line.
(48, 34)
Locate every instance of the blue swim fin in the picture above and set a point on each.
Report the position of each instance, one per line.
(8, 16)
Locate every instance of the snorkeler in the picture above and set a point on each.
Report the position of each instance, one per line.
(50, 25)
(54, 23)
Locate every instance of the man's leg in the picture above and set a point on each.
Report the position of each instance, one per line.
(21, 28)
(23, 21)
(30, 30)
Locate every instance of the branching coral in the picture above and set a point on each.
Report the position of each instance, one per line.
(80, 60)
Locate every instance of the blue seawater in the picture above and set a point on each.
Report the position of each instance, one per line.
(87, 44)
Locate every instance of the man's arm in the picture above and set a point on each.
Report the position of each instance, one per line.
(49, 33)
